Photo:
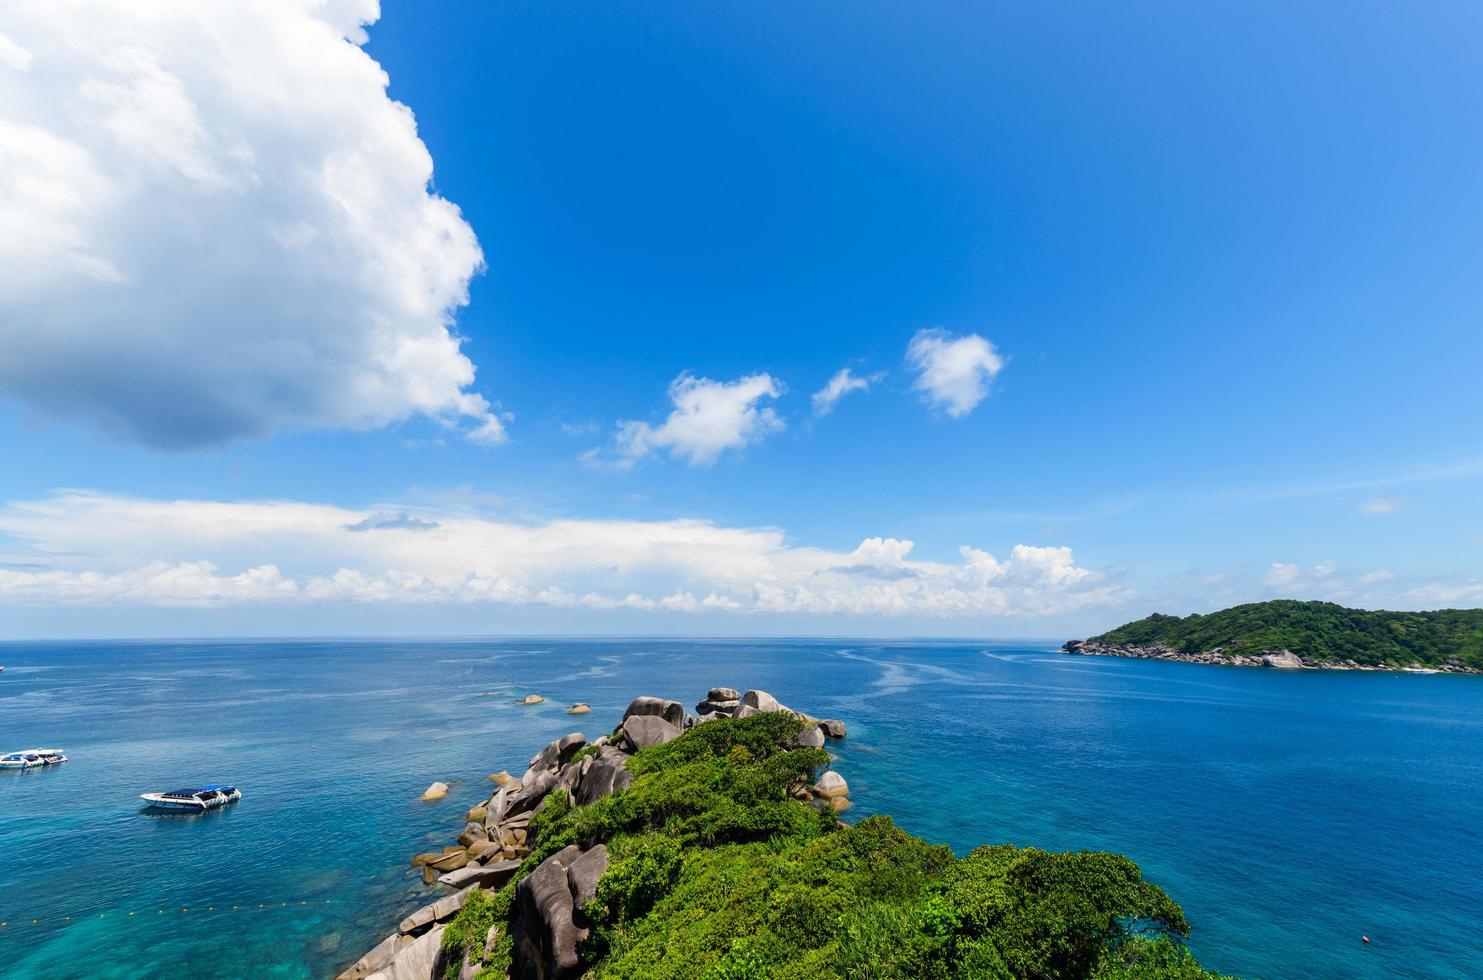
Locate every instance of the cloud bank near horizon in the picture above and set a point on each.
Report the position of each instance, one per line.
(77, 547)
(219, 226)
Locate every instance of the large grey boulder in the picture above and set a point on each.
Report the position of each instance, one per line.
(832, 727)
(605, 775)
(582, 874)
(809, 738)
(419, 961)
(569, 776)
(442, 910)
(722, 694)
(473, 832)
(712, 706)
(533, 793)
(491, 876)
(642, 731)
(499, 805)
(380, 955)
(671, 711)
(558, 752)
(761, 701)
(549, 925)
(830, 785)
(1283, 659)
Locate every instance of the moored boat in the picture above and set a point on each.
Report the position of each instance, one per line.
(21, 760)
(31, 758)
(199, 799)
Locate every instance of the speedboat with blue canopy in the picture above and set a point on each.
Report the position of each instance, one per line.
(30, 758)
(199, 799)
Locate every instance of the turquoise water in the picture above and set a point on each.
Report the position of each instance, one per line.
(1289, 813)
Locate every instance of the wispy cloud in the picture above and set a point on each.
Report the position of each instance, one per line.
(843, 383)
(1396, 478)
(392, 522)
(1379, 505)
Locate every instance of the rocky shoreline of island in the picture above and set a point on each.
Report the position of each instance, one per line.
(1278, 659)
(499, 835)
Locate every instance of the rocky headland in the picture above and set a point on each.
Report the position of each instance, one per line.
(709, 844)
(496, 839)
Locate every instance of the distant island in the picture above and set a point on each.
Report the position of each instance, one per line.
(1288, 633)
(712, 846)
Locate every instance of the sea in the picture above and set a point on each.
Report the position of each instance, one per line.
(1290, 813)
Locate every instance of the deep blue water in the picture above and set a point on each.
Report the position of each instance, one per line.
(1289, 812)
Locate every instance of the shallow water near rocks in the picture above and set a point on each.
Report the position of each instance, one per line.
(1288, 812)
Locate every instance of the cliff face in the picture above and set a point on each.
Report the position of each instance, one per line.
(710, 845)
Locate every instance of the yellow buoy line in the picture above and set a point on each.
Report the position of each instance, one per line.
(171, 910)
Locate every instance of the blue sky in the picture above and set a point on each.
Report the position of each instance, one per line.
(1225, 263)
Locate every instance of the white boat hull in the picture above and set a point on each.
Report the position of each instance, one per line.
(167, 802)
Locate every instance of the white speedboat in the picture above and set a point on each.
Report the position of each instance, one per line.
(30, 758)
(200, 799)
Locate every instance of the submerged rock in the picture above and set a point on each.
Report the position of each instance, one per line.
(533, 699)
(380, 955)
(435, 792)
(580, 708)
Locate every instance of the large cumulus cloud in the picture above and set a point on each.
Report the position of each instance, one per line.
(216, 224)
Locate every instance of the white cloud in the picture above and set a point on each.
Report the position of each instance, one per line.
(1434, 595)
(87, 548)
(1379, 505)
(843, 382)
(1282, 575)
(953, 373)
(217, 225)
(709, 417)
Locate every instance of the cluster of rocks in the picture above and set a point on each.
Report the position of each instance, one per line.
(548, 922)
(1281, 659)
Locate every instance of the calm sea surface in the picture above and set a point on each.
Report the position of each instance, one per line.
(1290, 813)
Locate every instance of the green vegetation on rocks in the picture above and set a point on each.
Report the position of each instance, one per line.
(1319, 631)
(716, 869)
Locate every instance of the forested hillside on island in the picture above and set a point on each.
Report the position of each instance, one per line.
(1320, 631)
